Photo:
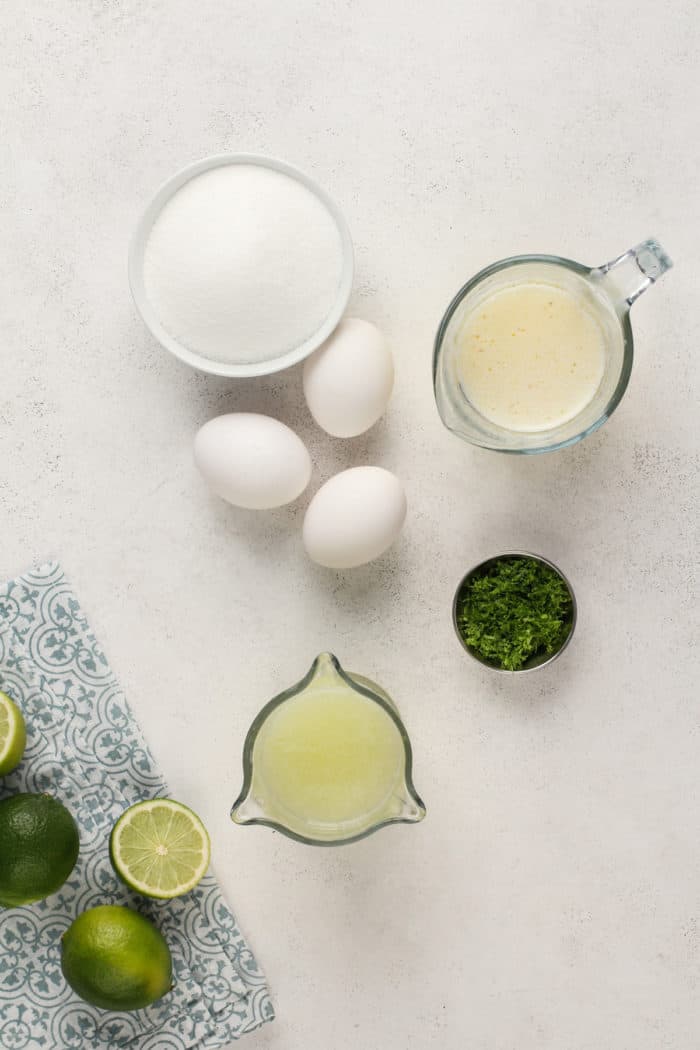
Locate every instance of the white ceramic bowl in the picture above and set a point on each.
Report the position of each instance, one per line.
(151, 320)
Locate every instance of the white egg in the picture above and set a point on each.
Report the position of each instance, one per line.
(348, 381)
(252, 461)
(354, 517)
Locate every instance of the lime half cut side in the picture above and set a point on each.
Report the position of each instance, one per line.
(160, 848)
(13, 735)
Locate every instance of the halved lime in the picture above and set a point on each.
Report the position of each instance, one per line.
(13, 735)
(160, 848)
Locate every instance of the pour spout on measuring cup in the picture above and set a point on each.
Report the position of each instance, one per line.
(630, 274)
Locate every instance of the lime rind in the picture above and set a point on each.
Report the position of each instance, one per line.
(13, 735)
(160, 848)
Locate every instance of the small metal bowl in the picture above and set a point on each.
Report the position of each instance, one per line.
(535, 663)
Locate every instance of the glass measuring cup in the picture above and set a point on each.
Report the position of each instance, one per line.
(606, 292)
(328, 761)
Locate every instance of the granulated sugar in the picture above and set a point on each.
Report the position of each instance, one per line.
(243, 264)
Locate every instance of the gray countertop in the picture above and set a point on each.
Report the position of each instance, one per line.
(550, 900)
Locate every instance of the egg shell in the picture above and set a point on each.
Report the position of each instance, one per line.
(251, 460)
(354, 517)
(348, 381)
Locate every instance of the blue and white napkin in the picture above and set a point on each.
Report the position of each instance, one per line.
(85, 747)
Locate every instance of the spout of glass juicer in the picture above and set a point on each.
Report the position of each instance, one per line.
(247, 810)
(409, 810)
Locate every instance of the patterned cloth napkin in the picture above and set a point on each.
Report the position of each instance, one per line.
(84, 747)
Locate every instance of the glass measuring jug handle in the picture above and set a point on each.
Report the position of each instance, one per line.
(633, 272)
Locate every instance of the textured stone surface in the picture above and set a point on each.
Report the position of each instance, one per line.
(550, 900)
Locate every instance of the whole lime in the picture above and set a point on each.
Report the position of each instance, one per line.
(39, 846)
(115, 958)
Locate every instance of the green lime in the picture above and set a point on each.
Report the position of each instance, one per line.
(160, 848)
(39, 846)
(115, 958)
(13, 735)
